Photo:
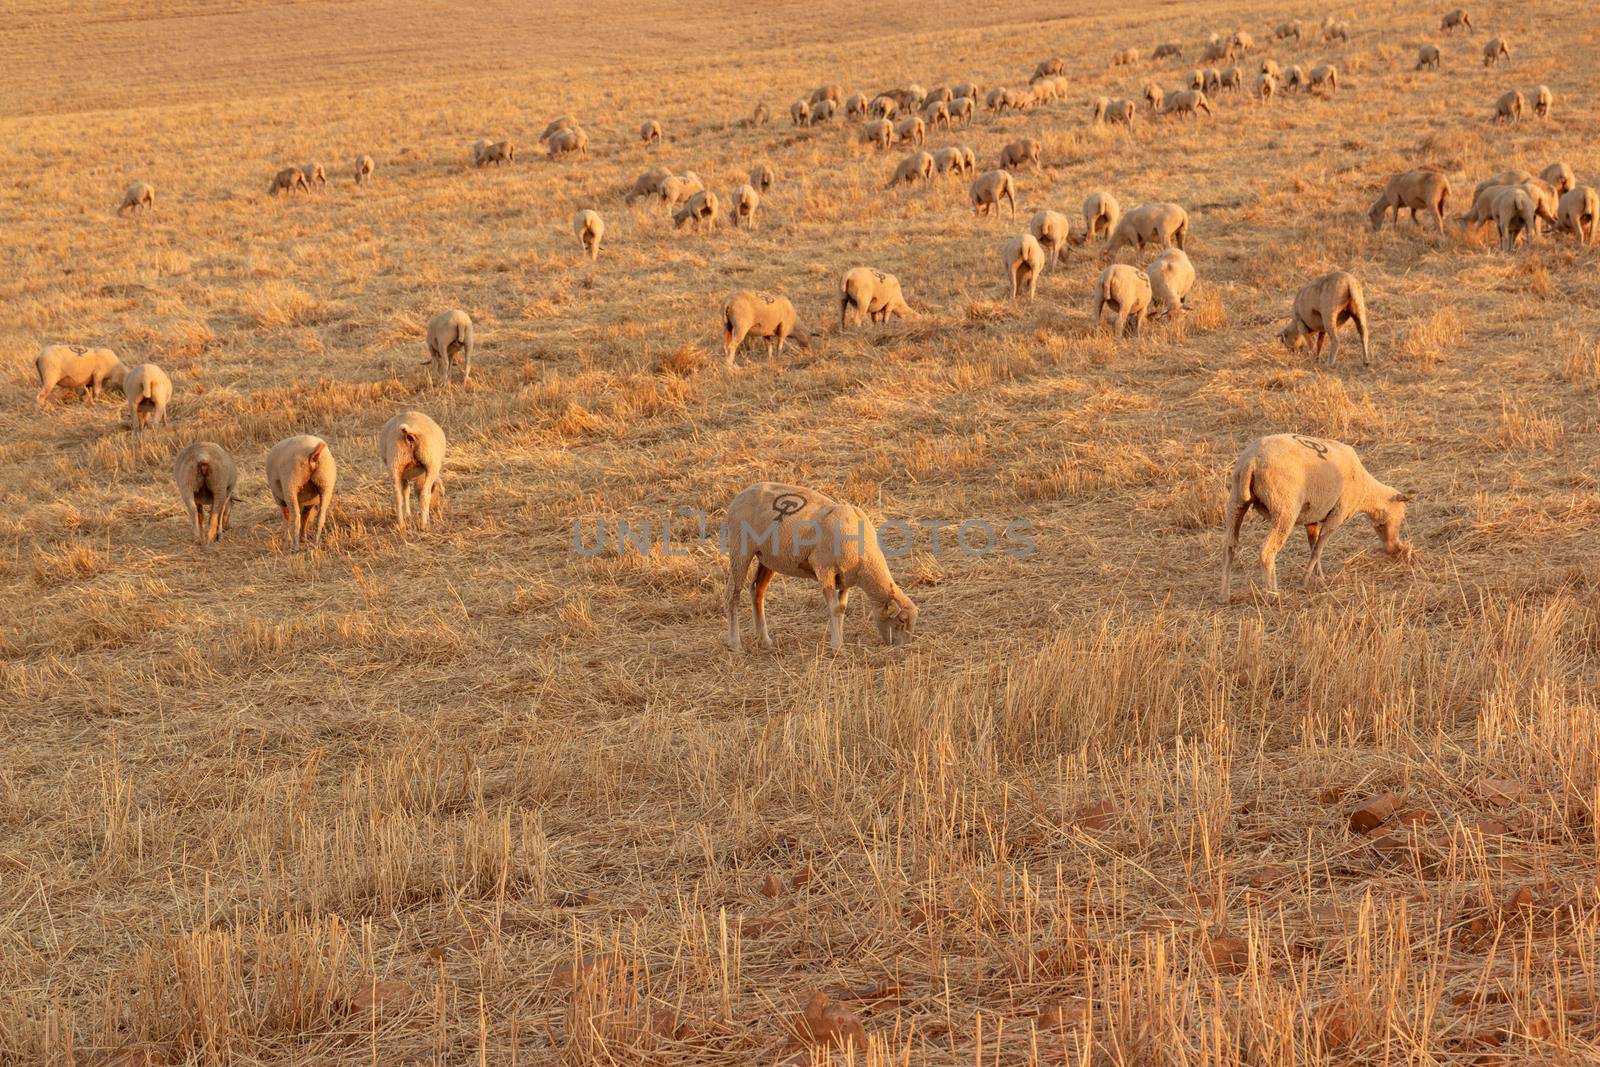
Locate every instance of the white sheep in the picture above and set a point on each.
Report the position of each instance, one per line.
(935, 114)
(1052, 230)
(1154, 96)
(650, 132)
(1162, 224)
(1455, 20)
(879, 133)
(914, 168)
(1266, 87)
(1560, 177)
(1422, 189)
(1312, 482)
(1171, 279)
(751, 314)
(1428, 57)
(678, 188)
(484, 153)
(1509, 107)
(1325, 76)
(912, 130)
(74, 367)
(742, 206)
(1023, 260)
(800, 113)
(989, 189)
(411, 447)
(450, 342)
(763, 177)
(647, 184)
(141, 196)
(288, 180)
(961, 110)
(822, 111)
(1543, 101)
(1050, 67)
(301, 474)
(855, 106)
(1168, 48)
(148, 391)
(791, 530)
(1189, 102)
(364, 168)
(556, 125)
(568, 142)
(1579, 213)
(1495, 51)
(1101, 213)
(870, 293)
(1019, 152)
(1125, 290)
(1287, 30)
(314, 173)
(760, 115)
(700, 209)
(590, 229)
(1514, 213)
(207, 479)
(1320, 308)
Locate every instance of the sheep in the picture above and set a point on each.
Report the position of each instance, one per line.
(647, 184)
(1047, 68)
(1171, 277)
(314, 173)
(1325, 76)
(879, 133)
(567, 142)
(1101, 213)
(1023, 260)
(1312, 482)
(1213, 80)
(288, 180)
(1560, 177)
(800, 113)
(650, 132)
(1294, 77)
(914, 168)
(75, 368)
(1242, 42)
(992, 101)
(679, 188)
(1483, 202)
(936, 114)
(301, 474)
(450, 341)
(1196, 79)
(751, 314)
(1270, 66)
(947, 160)
(1266, 86)
(1423, 189)
(148, 391)
(855, 105)
(1154, 95)
(484, 153)
(969, 160)
(1232, 78)
(989, 189)
(1126, 290)
(1543, 101)
(1455, 20)
(882, 107)
(1015, 100)
(1509, 107)
(1167, 48)
(700, 208)
(940, 95)
(822, 111)
(742, 206)
(1321, 308)
(1495, 51)
(912, 130)
(1125, 58)
(364, 168)
(833, 94)
(970, 90)
(411, 448)
(556, 125)
(961, 109)
(1287, 30)
(141, 196)
(870, 292)
(1189, 102)
(590, 229)
(1514, 212)
(1579, 208)
(1505, 177)
(1116, 112)
(1019, 152)
(1546, 201)
(1427, 57)
(1052, 230)
(1216, 51)
(790, 530)
(763, 177)
(1336, 31)
(760, 116)
(207, 478)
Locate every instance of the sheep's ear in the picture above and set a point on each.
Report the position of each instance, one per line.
(1400, 498)
(316, 453)
(891, 610)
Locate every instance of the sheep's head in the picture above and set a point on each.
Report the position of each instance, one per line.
(897, 619)
(1387, 518)
(117, 374)
(1290, 337)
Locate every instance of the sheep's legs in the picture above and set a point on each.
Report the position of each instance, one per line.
(430, 486)
(737, 567)
(758, 601)
(1282, 527)
(194, 517)
(322, 514)
(1229, 544)
(830, 597)
(290, 530)
(1324, 531)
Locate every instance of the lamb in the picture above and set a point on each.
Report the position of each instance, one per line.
(1560, 177)
(822, 111)
(1423, 189)
(556, 125)
(148, 391)
(1023, 260)
(1325, 76)
(1171, 277)
(589, 228)
(1163, 224)
(1019, 152)
(742, 206)
(751, 314)
(1509, 107)
(961, 109)
(1514, 212)
(1266, 86)
(989, 189)
(411, 448)
(764, 177)
(1232, 78)
(647, 184)
(450, 342)
(936, 114)
(1189, 102)
(1287, 30)
(870, 292)
(314, 174)
(700, 208)
(761, 115)
(1153, 95)
(75, 367)
(650, 132)
(567, 142)
(1579, 213)
(1312, 482)
(141, 196)
(288, 180)
(1543, 101)
(1321, 308)
(301, 474)
(1168, 48)
(790, 530)
(484, 153)
(680, 187)
(879, 133)
(1126, 290)
(854, 105)
(914, 168)
(912, 130)
(1101, 213)
(364, 168)
(1495, 51)
(206, 477)
(1052, 230)
(1428, 57)
(1455, 20)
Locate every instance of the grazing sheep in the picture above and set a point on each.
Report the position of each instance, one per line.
(879, 133)
(871, 293)
(450, 342)
(948, 160)
(1505, 177)
(1336, 31)
(1052, 230)
(589, 228)
(1266, 86)
(1213, 80)
(941, 94)
(800, 113)
(1171, 278)
(1546, 201)
(1117, 112)
(1126, 290)
(1423, 189)
(961, 109)
(823, 111)
(411, 447)
(833, 94)
(1189, 102)
(1509, 107)
(742, 206)
(790, 530)
(1495, 51)
(1456, 20)
(1482, 209)
(301, 474)
(1428, 57)
(1101, 213)
(1168, 48)
(568, 142)
(314, 174)
(1294, 77)
(989, 189)
(1017, 153)
(751, 314)
(1232, 78)
(1325, 76)
(206, 477)
(1154, 95)
(855, 105)
(1216, 51)
(912, 130)
(1560, 177)
(700, 208)
(764, 177)
(1543, 101)
(288, 180)
(992, 101)
(148, 391)
(936, 114)
(650, 132)
(1312, 482)
(75, 368)
(1242, 42)
(1125, 58)
(969, 160)
(679, 187)
(140, 196)
(1048, 68)
(1196, 79)
(1287, 30)
(1514, 212)
(364, 168)
(1023, 260)
(484, 153)
(761, 115)
(882, 106)
(970, 90)
(1321, 308)
(556, 125)
(647, 184)
(1014, 100)
(1579, 213)
(1270, 66)
(914, 168)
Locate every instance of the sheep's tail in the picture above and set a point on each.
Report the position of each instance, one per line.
(727, 329)
(203, 470)
(147, 388)
(846, 300)
(1243, 488)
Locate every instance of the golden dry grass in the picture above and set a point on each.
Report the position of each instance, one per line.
(468, 797)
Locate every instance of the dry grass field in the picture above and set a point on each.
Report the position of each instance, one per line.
(466, 796)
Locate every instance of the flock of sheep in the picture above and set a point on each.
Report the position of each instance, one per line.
(1293, 479)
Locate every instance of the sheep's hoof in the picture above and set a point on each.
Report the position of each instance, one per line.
(768, 644)
(732, 643)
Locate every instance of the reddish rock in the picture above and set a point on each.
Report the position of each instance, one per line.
(1096, 817)
(771, 887)
(1228, 954)
(1370, 813)
(1066, 1015)
(381, 997)
(821, 1022)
